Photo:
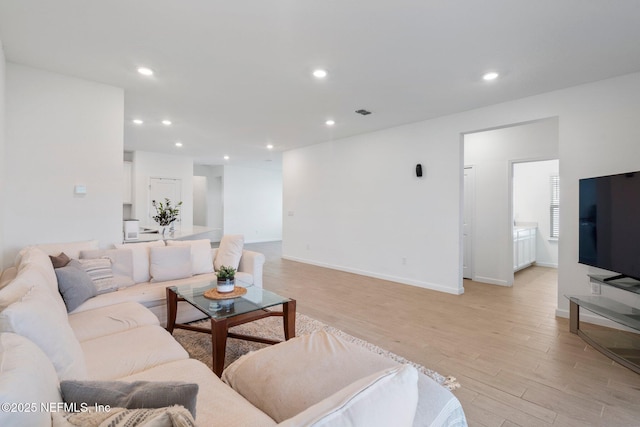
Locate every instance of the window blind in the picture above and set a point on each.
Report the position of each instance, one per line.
(555, 206)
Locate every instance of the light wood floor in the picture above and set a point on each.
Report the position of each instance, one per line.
(517, 363)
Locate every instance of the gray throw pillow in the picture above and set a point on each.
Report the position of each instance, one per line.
(74, 284)
(134, 395)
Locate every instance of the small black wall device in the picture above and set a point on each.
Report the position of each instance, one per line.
(418, 170)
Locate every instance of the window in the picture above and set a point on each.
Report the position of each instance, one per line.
(555, 207)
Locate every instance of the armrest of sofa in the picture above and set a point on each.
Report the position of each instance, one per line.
(251, 262)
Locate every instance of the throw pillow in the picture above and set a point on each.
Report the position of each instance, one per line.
(201, 260)
(134, 395)
(75, 284)
(121, 264)
(175, 416)
(60, 260)
(140, 253)
(230, 251)
(26, 376)
(99, 270)
(170, 263)
(387, 398)
(32, 317)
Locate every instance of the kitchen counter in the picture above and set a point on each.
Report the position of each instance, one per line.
(149, 234)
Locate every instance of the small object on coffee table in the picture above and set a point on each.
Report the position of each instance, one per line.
(214, 293)
(242, 309)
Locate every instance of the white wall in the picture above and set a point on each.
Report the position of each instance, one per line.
(359, 207)
(492, 154)
(213, 175)
(2, 150)
(252, 200)
(147, 165)
(531, 203)
(61, 131)
(200, 200)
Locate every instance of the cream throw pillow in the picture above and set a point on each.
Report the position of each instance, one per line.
(141, 258)
(201, 261)
(387, 398)
(230, 251)
(170, 263)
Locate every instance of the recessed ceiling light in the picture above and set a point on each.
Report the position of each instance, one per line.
(178, 144)
(270, 146)
(319, 74)
(137, 121)
(226, 157)
(166, 122)
(330, 122)
(490, 76)
(145, 71)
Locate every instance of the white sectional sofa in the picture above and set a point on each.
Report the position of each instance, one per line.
(109, 338)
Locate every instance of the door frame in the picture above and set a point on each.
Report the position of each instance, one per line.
(469, 196)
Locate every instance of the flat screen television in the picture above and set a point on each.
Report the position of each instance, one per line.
(609, 236)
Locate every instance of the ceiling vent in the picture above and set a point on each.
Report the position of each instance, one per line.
(363, 112)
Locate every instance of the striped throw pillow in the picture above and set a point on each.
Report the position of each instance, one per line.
(101, 274)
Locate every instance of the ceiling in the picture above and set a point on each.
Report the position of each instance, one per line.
(235, 75)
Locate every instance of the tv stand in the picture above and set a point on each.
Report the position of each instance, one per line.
(622, 346)
(612, 278)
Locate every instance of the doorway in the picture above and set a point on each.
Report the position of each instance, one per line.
(160, 189)
(536, 208)
(467, 222)
(488, 223)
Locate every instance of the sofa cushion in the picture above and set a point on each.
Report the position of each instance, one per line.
(169, 263)
(125, 353)
(121, 264)
(74, 284)
(217, 404)
(132, 395)
(140, 252)
(26, 377)
(32, 317)
(110, 319)
(201, 259)
(59, 260)
(19, 286)
(322, 359)
(7, 275)
(386, 398)
(230, 251)
(172, 416)
(35, 258)
(72, 249)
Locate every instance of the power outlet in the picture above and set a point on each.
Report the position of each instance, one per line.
(595, 288)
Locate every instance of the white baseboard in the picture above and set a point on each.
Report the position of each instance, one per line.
(404, 281)
(491, 281)
(263, 240)
(546, 264)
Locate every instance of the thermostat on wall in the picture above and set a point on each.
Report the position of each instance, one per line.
(80, 189)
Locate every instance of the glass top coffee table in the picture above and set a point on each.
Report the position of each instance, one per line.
(226, 313)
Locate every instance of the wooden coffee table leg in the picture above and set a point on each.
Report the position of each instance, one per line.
(219, 331)
(172, 308)
(289, 319)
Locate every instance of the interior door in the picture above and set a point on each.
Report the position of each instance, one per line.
(159, 189)
(467, 223)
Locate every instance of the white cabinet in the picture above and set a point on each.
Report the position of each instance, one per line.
(127, 183)
(524, 247)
